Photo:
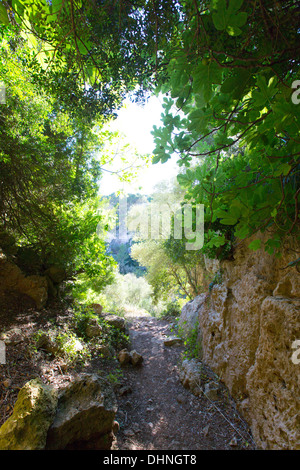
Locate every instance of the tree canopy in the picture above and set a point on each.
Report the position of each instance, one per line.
(229, 74)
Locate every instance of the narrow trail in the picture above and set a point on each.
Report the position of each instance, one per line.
(157, 413)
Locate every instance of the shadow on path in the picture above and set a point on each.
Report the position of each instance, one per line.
(157, 413)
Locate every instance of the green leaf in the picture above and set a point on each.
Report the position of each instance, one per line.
(228, 18)
(204, 77)
(228, 221)
(283, 169)
(242, 232)
(236, 84)
(219, 18)
(255, 245)
(266, 90)
(274, 213)
(3, 15)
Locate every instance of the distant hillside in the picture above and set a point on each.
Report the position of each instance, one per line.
(119, 249)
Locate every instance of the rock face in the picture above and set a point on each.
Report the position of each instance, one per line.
(188, 320)
(12, 280)
(248, 324)
(27, 427)
(85, 416)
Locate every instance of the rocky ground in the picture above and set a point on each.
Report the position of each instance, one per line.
(155, 411)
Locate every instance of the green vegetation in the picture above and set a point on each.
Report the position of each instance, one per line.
(62, 343)
(72, 343)
(227, 71)
(230, 116)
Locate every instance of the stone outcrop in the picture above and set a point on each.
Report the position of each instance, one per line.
(81, 416)
(14, 281)
(188, 320)
(85, 416)
(27, 427)
(248, 323)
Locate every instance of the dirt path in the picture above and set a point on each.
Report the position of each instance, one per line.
(157, 413)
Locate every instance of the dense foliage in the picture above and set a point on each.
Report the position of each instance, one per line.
(95, 51)
(231, 116)
(229, 73)
(172, 270)
(66, 67)
(49, 174)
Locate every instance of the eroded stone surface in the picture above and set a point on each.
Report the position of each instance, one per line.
(27, 427)
(248, 324)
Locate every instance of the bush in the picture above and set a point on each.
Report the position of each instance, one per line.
(63, 343)
(128, 290)
(173, 309)
(110, 335)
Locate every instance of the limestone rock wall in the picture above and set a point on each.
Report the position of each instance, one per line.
(248, 324)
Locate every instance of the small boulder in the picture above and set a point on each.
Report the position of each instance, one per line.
(124, 357)
(47, 344)
(211, 391)
(57, 274)
(93, 328)
(13, 336)
(105, 350)
(27, 427)
(135, 358)
(97, 308)
(115, 321)
(35, 287)
(173, 341)
(190, 375)
(132, 357)
(85, 416)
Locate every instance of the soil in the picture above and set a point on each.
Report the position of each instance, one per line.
(155, 412)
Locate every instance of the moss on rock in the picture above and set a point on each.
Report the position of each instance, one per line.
(27, 427)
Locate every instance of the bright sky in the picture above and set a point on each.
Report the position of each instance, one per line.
(136, 122)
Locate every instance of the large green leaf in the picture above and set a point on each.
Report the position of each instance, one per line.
(3, 15)
(229, 19)
(204, 77)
